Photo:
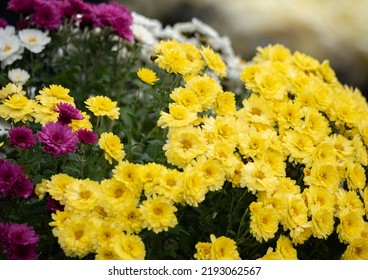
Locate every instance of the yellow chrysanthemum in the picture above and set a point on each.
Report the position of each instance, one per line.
(187, 98)
(355, 175)
(223, 248)
(214, 61)
(350, 227)
(56, 186)
(17, 107)
(53, 94)
(103, 106)
(203, 251)
(129, 247)
(184, 144)
(171, 185)
(82, 124)
(272, 255)
(195, 187)
(286, 249)
(158, 214)
(81, 195)
(225, 103)
(322, 222)
(356, 250)
(178, 116)
(296, 213)
(264, 222)
(147, 76)
(129, 174)
(129, 218)
(112, 146)
(11, 89)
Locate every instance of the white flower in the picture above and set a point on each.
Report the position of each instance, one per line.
(152, 25)
(10, 49)
(34, 40)
(7, 31)
(4, 127)
(142, 34)
(18, 76)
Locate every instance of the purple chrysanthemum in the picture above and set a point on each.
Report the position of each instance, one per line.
(57, 139)
(20, 5)
(22, 137)
(13, 181)
(87, 136)
(23, 187)
(3, 22)
(54, 205)
(67, 113)
(115, 15)
(47, 14)
(10, 173)
(19, 241)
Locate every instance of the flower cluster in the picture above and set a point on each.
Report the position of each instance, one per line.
(169, 140)
(19, 241)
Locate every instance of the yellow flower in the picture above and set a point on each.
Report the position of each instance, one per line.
(184, 144)
(299, 145)
(203, 251)
(300, 234)
(356, 250)
(214, 61)
(76, 236)
(150, 174)
(129, 174)
(112, 146)
(350, 227)
(286, 249)
(322, 222)
(264, 222)
(56, 186)
(81, 195)
(223, 248)
(17, 107)
(206, 88)
(179, 116)
(103, 106)
(275, 52)
(355, 175)
(106, 251)
(40, 189)
(319, 197)
(324, 174)
(272, 255)
(129, 218)
(172, 57)
(129, 247)
(147, 76)
(187, 98)
(258, 176)
(225, 103)
(171, 185)
(44, 114)
(54, 94)
(195, 187)
(117, 192)
(82, 124)
(296, 213)
(348, 201)
(213, 173)
(11, 89)
(158, 214)
(305, 62)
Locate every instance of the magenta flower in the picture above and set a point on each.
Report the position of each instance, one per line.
(54, 205)
(3, 22)
(57, 139)
(67, 113)
(22, 137)
(20, 5)
(10, 173)
(13, 181)
(115, 15)
(87, 136)
(47, 14)
(19, 241)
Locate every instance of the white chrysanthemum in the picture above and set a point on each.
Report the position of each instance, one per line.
(18, 76)
(34, 40)
(10, 49)
(150, 24)
(142, 34)
(7, 31)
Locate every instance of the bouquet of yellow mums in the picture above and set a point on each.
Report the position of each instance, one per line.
(165, 145)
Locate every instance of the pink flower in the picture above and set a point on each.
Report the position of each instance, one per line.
(57, 139)
(3, 22)
(67, 113)
(115, 15)
(87, 136)
(20, 5)
(22, 137)
(47, 14)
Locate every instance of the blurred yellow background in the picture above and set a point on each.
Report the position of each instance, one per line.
(325, 29)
